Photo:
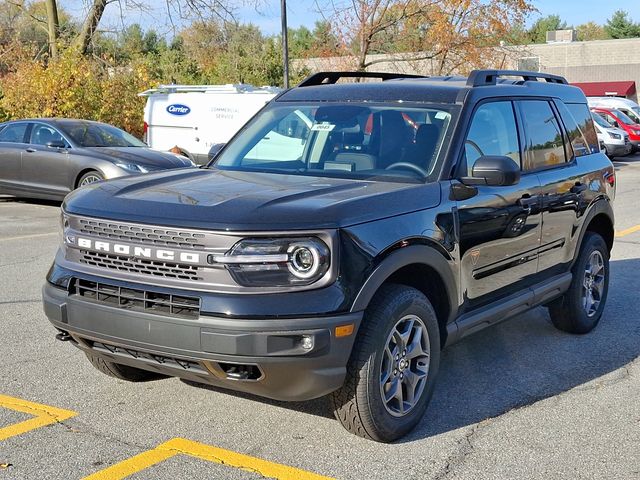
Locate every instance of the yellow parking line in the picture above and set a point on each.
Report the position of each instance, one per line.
(628, 231)
(24, 237)
(181, 446)
(44, 415)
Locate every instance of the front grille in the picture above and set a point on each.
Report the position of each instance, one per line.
(157, 359)
(143, 234)
(155, 268)
(135, 299)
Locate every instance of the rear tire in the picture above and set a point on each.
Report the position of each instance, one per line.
(579, 310)
(122, 372)
(393, 366)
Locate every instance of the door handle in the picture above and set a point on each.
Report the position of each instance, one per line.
(30, 150)
(528, 202)
(578, 188)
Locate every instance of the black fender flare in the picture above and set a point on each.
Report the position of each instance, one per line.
(600, 206)
(413, 254)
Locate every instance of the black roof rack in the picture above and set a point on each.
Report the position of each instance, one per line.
(328, 78)
(478, 78)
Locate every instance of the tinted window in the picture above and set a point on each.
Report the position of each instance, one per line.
(89, 134)
(43, 134)
(544, 146)
(13, 133)
(493, 131)
(579, 125)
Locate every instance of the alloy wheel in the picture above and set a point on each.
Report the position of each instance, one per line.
(405, 365)
(89, 179)
(593, 283)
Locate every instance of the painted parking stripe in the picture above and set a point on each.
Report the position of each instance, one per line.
(628, 231)
(181, 446)
(43, 415)
(25, 237)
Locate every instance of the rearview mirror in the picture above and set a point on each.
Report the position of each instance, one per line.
(56, 144)
(494, 170)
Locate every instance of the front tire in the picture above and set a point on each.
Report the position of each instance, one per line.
(580, 308)
(90, 177)
(122, 372)
(393, 366)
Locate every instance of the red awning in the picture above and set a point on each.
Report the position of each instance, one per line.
(607, 89)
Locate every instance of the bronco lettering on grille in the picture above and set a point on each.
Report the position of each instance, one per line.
(134, 251)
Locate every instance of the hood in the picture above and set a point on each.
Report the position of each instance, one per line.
(230, 200)
(146, 157)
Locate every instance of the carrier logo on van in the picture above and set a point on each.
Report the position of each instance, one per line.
(178, 109)
(134, 251)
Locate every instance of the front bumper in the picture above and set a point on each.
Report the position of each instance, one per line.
(212, 349)
(619, 150)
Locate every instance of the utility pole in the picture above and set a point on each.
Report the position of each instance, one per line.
(285, 42)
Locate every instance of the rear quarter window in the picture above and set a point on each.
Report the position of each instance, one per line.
(580, 117)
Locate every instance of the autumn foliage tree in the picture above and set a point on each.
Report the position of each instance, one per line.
(454, 34)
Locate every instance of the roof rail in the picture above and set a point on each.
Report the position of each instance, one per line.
(229, 88)
(328, 78)
(478, 78)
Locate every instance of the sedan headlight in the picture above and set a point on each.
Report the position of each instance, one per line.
(276, 262)
(132, 167)
(617, 136)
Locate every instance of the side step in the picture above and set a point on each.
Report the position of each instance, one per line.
(507, 308)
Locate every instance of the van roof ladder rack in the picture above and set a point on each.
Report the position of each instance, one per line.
(479, 78)
(329, 78)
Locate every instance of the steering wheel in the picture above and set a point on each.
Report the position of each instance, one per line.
(475, 146)
(409, 166)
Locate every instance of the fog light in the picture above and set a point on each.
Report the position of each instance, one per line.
(306, 342)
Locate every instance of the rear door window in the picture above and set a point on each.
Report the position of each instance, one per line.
(544, 142)
(493, 131)
(13, 133)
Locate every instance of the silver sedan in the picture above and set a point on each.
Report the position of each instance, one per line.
(48, 158)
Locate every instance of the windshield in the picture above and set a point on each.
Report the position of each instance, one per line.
(340, 140)
(89, 134)
(623, 117)
(600, 121)
(633, 114)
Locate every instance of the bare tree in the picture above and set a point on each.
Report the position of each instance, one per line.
(53, 26)
(364, 26)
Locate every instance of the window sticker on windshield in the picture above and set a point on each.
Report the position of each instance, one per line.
(322, 127)
(441, 115)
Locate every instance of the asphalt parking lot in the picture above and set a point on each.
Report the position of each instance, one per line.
(519, 400)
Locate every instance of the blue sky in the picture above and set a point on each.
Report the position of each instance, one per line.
(303, 12)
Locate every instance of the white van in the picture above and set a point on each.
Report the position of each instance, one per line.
(629, 107)
(191, 119)
(615, 141)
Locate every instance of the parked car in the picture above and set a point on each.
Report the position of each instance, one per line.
(49, 157)
(346, 264)
(625, 105)
(617, 119)
(614, 141)
(191, 119)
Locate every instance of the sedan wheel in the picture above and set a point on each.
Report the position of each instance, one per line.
(89, 178)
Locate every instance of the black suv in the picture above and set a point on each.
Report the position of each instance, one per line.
(343, 237)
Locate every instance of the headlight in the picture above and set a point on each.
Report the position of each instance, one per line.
(132, 167)
(617, 136)
(276, 262)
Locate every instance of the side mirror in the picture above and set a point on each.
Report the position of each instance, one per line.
(494, 170)
(56, 144)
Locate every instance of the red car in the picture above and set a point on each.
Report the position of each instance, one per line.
(620, 120)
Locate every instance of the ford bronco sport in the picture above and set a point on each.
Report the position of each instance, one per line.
(343, 237)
